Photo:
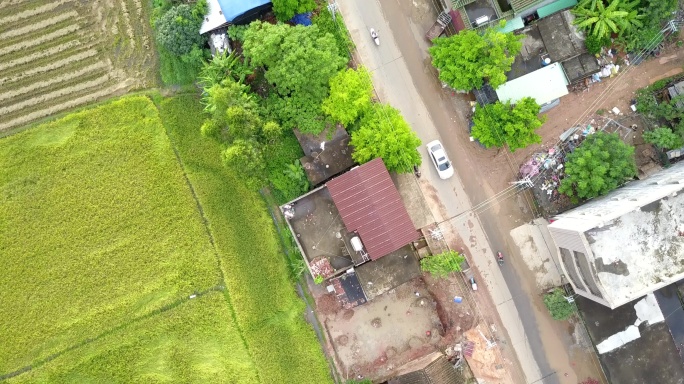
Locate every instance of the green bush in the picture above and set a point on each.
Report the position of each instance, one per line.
(663, 138)
(176, 70)
(595, 43)
(178, 30)
(289, 182)
(237, 32)
(181, 47)
(602, 163)
(558, 305)
(441, 265)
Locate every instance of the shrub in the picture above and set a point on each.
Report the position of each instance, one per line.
(558, 305)
(384, 133)
(237, 32)
(663, 138)
(178, 30)
(326, 24)
(351, 93)
(289, 182)
(466, 59)
(441, 265)
(595, 43)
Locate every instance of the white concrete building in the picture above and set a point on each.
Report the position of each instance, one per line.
(622, 246)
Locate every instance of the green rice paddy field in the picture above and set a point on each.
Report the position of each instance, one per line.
(102, 241)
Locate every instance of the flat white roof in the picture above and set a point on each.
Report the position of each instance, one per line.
(214, 17)
(543, 85)
(648, 242)
(633, 237)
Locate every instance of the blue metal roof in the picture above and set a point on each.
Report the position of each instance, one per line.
(234, 8)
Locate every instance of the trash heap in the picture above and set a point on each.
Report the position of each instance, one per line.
(546, 169)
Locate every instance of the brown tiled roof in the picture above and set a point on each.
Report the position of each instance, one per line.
(370, 204)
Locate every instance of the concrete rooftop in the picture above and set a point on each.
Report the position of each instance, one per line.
(388, 272)
(561, 39)
(319, 230)
(649, 356)
(640, 249)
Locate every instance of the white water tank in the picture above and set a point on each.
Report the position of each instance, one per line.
(356, 244)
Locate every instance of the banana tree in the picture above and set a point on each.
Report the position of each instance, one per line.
(601, 20)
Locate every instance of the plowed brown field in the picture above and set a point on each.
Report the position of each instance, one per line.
(60, 54)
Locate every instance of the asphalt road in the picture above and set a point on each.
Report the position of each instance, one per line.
(403, 77)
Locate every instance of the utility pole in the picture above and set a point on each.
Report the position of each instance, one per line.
(332, 7)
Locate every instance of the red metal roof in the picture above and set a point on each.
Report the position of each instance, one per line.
(457, 20)
(370, 204)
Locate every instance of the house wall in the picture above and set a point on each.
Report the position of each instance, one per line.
(568, 229)
(576, 260)
(630, 197)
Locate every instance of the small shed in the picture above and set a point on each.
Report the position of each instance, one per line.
(677, 90)
(430, 369)
(325, 156)
(371, 206)
(544, 85)
(224, 12)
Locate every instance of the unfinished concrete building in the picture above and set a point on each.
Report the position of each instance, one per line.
(629, 243)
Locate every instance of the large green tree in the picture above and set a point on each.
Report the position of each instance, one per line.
(502, 124)
(221, 98)
(384, 133)
(286, 9)
(600, 164)
(601, 20)
(466, 59)
(178, 29)
(296, 59)
(245, 156)
(350, 95)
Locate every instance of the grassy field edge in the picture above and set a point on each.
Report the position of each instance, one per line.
(267, 309)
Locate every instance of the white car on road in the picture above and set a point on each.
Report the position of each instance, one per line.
(440, 160)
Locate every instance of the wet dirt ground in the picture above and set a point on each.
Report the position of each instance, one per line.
(375, 339)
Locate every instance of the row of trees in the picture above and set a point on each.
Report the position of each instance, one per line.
(472, 59)
(294, 77)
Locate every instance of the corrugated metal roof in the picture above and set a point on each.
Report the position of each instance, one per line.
(513, 24)
(440, 371)
(555, 7)
(232, 9)
(222, 12)
(543, 85)
(521, 5)
(370, 205)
